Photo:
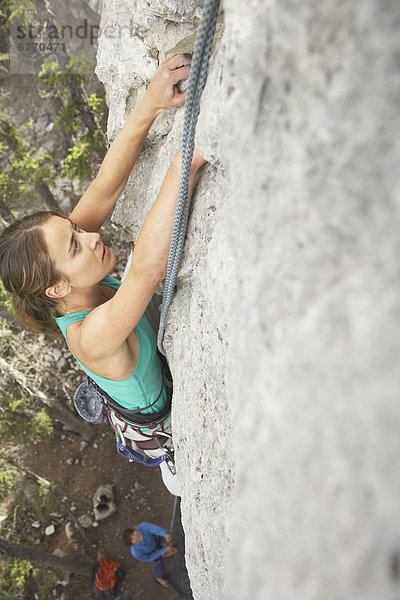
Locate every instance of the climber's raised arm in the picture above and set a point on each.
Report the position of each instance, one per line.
(107, 327)
(152, 246)
(162, 93)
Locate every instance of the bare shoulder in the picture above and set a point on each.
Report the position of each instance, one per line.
(91, 338)
(97, 349)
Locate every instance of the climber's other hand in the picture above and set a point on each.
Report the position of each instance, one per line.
(163, 91)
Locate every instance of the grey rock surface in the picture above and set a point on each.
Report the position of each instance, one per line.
(283, 337)
(96, 5)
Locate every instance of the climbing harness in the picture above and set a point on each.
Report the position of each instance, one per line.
(134, 456)
(197, 80)
(138, 456)
(91, 400)
(136, 418)
(96, 406)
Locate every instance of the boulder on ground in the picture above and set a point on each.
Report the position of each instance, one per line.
(103, 502)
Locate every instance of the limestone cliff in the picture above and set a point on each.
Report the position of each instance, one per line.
(283, 337)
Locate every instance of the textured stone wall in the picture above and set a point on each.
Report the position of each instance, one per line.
(283, 337)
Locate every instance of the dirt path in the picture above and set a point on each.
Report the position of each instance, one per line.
(139, 494)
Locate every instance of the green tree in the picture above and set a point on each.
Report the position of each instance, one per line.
(26, 171)
(81, 118)
(82, 115)
(19, 579)
(7, 480)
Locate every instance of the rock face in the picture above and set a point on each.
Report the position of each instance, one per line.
(283, 338)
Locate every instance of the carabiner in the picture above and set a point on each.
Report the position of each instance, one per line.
(121, 435)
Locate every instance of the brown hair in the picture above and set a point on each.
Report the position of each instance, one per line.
(126, 536)
(27, 271)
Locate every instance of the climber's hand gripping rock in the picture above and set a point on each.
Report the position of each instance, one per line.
(163, 91)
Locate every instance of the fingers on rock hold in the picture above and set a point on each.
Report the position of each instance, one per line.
(180, 60)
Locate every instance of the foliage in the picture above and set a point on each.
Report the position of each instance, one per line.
(7, 480)
(27, 166)
(30, 169)
(20, 10)
(15, 576)
(17, 572)
(78, 116)
(70, 116)
(67, 117)
(59, 80)
(45, 488)
(96, 103)
(40, 426)
(12, 418)
(77, 164)
(5, 297)
(45, 502)
(15, 419)
(46, 582)
(15, 10)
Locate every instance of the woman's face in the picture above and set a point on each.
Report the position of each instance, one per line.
(79, 255)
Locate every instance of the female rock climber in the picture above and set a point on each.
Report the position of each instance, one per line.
(57, 268)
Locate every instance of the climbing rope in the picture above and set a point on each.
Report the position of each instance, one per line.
(197, 80)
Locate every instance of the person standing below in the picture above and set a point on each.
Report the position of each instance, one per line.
(150, 543)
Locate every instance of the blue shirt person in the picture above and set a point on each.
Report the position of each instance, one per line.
(150, 543)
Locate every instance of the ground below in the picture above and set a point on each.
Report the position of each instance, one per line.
(139, 495)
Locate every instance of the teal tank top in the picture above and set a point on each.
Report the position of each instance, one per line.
(143, 386)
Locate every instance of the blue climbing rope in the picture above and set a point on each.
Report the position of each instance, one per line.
(197, 80)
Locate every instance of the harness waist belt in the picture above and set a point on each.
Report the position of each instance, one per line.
(134, 416)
